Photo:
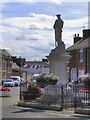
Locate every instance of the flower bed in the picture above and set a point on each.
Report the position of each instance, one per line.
(84, 94)
(85, 79)
(44, 79)
(5, 89)
(32, 92)
(5, 92)
(85, 91)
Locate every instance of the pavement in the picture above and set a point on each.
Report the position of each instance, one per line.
(11, 110)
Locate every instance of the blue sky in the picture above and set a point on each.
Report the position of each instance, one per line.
(67, 9)
(27, 27)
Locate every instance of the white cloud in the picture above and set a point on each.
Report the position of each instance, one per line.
(52, 1)
(41, 21)
(34, 1)
(38, 20)
(9, 29)
(28, 36)
(76, 0)
(20, 35)
(1, 5)
(76, 22)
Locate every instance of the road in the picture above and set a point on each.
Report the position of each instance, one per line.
(11, 110)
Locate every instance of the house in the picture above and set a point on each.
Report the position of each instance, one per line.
(17, 65)
(18, 61)
(5, 65)
(79, 63)
(26, 69)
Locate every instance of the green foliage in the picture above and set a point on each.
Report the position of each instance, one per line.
(85, 79)
(32, 92)
(47, 79)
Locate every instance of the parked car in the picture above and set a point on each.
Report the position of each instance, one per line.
(16, 80)
(9, 82)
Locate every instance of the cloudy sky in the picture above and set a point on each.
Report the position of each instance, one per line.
(26, 26)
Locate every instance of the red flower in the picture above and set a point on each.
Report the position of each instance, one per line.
(88, 90)
(5, 89)
(28, 85)
(80, 90)
(84, 90)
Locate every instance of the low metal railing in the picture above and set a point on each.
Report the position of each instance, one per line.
(82, 94)
(59, 95)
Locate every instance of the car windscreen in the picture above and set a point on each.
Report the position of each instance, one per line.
(15, 79)
(8, 80)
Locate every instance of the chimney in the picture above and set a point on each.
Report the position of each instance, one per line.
(86, 33)
(76, 38)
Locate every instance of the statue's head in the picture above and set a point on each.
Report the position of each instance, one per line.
(58, 15)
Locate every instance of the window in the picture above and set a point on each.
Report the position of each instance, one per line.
(81, 55)
(74, 74)
(67, 61)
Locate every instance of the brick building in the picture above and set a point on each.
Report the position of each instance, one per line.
(5, 65)
(17, 67)
(79, 63)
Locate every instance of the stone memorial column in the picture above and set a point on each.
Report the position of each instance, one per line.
(58, 57)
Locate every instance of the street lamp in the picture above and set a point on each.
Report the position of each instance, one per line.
(20, 64)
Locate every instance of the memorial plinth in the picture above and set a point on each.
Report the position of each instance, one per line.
(58, 63)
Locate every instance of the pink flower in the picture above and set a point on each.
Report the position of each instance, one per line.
(51, 73)
(88, 74)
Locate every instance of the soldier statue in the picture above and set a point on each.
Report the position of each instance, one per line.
(58, 30)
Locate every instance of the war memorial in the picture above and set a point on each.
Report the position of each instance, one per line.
(51, 91)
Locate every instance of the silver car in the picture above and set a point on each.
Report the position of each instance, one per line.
(16, 81)
(9, 82)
